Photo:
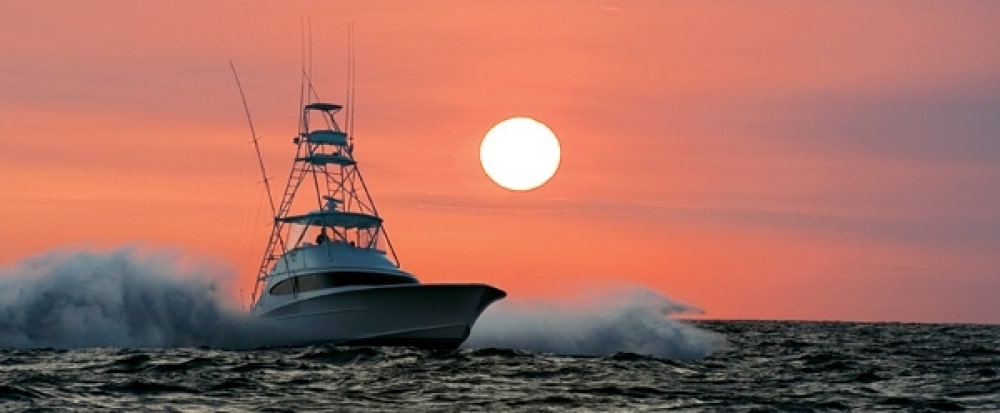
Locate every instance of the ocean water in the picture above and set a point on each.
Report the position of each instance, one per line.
(783, 366)
(138, 330)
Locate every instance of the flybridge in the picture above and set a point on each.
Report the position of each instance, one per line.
(326, 176)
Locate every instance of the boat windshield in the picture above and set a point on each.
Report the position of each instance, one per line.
(296, 235)
(304, 235)
(301, 235)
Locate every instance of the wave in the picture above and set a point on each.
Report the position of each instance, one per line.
(624, 320)
(122, 298)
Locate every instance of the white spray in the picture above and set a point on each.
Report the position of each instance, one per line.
(633, 320)
(121, 298)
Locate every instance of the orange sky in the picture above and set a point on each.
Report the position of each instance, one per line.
(782, 160)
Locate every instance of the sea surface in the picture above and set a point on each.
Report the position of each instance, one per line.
(761, 366)
(133, 329)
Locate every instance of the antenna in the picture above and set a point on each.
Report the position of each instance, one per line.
(349, 116)
(310, 27)
(256, 142)
(307, 92)
(302, 66)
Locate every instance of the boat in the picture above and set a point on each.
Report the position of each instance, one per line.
(329, 273)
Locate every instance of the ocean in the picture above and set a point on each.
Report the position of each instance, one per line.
(137, 330)
(762, 366)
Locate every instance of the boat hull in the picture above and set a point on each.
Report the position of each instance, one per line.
(422, 315)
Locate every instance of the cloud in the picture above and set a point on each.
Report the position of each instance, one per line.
(935, 227)
(952, 121)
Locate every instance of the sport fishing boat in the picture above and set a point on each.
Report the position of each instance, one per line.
(329, 272)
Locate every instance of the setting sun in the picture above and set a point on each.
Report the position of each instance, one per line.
(520, 154)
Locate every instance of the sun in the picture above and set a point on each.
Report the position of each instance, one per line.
(520, 154)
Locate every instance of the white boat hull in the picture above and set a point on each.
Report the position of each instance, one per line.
(421, 315)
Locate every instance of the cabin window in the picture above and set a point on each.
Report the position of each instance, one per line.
(314, 282)
(283, 288)
(340, 279)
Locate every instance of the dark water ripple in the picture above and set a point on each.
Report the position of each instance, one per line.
(784, 366)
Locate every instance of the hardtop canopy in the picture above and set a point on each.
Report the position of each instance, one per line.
(335, 219)
(326, 107)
